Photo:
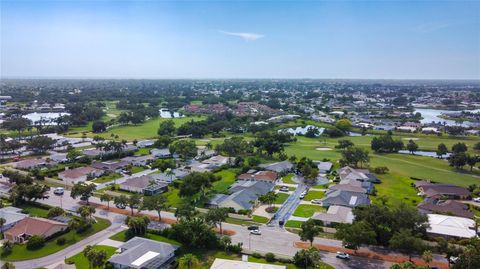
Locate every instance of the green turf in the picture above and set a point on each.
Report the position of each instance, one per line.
(314, 195)
(20, 251)
(293, 224)
(81, 261)
(34, 210)
(173, 198)
(122, 236)
(306, 211)
(142, 151)
(260, 219)
(136, 169)
(107, 178)
(146, 130)
(228, 178)
(288, 179)
(282, 197)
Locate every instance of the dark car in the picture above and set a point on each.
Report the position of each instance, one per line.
(281, 222)
(252, 227)
(121, 206)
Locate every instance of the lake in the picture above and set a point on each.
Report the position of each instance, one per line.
(302, 130)
(424, 153)
(432, 115)
(165, 113)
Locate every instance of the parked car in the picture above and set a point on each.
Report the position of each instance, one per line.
(252, 227)
(317, 201)
(454, 259)
(281, 222)
(477, 199)
(342, 255)
(121, 206)
(58, 191)
(284, 189)
(256, 232)
(301, 196)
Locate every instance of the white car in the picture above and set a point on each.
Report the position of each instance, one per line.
(58, 191)
(342, 255)
(317, 201)
(453, 259)
(255, 232)
(476, 200)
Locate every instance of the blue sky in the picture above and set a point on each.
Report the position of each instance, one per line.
(241, 39)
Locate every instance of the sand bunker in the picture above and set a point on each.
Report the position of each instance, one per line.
(323, 149)
(410, 138)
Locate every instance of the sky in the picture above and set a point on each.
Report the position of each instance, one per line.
(240, 39)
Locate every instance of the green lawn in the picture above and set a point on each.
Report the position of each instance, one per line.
(142, 151)
(228, 178)
(136, 169)
(81, 262)
(294, 224)
(172, 196)
(35, 210)
(122, 236)
(288, 179)
(306, 211)
(282, 197)
(314, 195)
(146, 130)
(107, 178)
(20, 251)
(260, 219)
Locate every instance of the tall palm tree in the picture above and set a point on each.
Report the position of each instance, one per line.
(188, 261)
(2, 222)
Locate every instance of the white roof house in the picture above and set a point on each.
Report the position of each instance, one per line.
(232, 264)
(451, 226)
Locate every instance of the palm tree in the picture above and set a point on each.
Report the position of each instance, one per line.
(2, 222)
(74, 224)
(105, 197)
(188, 261)
(427, 257)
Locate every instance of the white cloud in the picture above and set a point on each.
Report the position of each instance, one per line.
(244, 36)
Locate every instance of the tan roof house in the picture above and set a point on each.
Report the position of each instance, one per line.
(72, 176)
(31, 226)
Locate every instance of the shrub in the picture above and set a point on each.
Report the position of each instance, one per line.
(61, 241)
(235, 248)
(270, 257)
(256, 255)
(35, 242)
(381, 170)
(284, 260)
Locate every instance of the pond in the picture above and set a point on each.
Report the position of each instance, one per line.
(424, 153)
(302, 130)
(433, 115)
(165, 113)
(48, 117)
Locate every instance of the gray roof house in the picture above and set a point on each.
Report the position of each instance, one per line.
(168, 178)
(139, 160)
(144, 184)
(140, 252)
(145, 143)
(279, 167)
(358, 174)
(243, 195)
(335, 214)
(345, 198)
(12, 215)
(323, 167)
(161, 153)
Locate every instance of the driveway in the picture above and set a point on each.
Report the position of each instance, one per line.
(291, 203)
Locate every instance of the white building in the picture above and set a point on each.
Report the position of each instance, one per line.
(451, 226)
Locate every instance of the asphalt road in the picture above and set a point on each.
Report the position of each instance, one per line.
(273, 240)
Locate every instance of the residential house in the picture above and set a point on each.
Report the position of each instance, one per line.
(110, 166)
(30, 226)
(243, 195)
(58, 157)
(12, 216)
(449, 191)
(145, 143)
(269, 176)
(279, 167)
(345, 198)
(169, 177)
(447, 207)
(139, 160)
(30, 164)
(357, 174)
(72, 176)
(234, 264)
(451, 226)
(142, 253)
(144, 184)
(323, 167)
(335, 214)
(161, 153)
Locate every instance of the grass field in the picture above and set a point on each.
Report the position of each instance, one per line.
(81, 261)
(34, 210)
(288, 179)
(172, 196)
(148, 129)
(228, 178)
(306, 211)
(20, 251)
(260, 219)
(282, 197)
(122, 236)
(294, 224)
(107, 178)
(314, 195)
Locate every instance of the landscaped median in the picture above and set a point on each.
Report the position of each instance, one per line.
(20, 252)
